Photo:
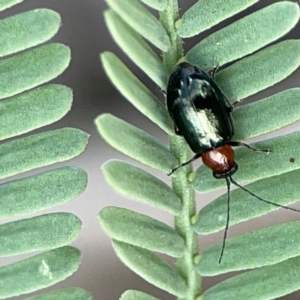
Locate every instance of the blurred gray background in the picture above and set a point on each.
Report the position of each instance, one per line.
(84, 31)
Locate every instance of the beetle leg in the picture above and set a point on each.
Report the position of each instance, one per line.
(229, 105)
(231, 123)
(236, 102)
(213, 72)
(162, 91)
(236, 144)
(185, 163)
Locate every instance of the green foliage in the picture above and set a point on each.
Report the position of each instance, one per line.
(38, 233)
(151, 267)
(265, 114)
(138, 17)
(22, 31)
(246, 77)
(139, 230)
(156, 4)
(43, 64)
(205, 14)
(22, 113)
(137, 50)
(65, 294)
(282, 189)
(137, 94)
(136, 295)
(4, 4)
(137, 184)
(116, 132)
(261, 28)
(42, 191)
(38, 271)
(274, 250)
(41, 149)
(249, 250)
(265, 283)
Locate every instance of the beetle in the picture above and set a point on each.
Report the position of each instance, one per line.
(202, 115)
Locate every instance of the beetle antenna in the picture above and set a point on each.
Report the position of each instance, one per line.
(261, 199)
(227, 221)
(185, 163)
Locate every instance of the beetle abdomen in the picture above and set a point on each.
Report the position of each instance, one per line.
(198, 108)
(197, 127)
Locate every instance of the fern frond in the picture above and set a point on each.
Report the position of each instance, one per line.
(30, 107)
(273, 174)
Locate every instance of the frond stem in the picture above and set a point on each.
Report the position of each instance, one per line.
(180, 184)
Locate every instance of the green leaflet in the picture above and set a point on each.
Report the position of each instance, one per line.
(27, 29)
(259, 71)
(34, 109)
(254, 249)
(266, 283)
(64, 294)
(150, 267)
(38, 233)
(136, 295)
(255, 165)
(136, 92)
(4, 4)
(137, 184)
(283, 189)
(41, 191)
(136, 49)
(262, 116)
(140, 230)
(135, 143)
(205, 14)
(43, 64)
(141, 20)
(247, 35)
(38, 272)
(156, 4)
(40, 150)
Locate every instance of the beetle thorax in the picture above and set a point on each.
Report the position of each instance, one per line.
(219, 160)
